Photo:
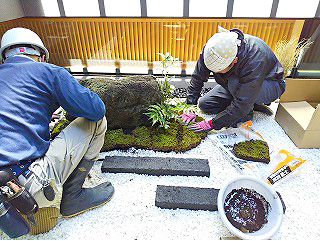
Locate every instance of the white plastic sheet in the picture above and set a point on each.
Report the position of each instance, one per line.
(282, 163)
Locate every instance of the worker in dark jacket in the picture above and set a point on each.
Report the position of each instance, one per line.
(247, 73)
(31, 91)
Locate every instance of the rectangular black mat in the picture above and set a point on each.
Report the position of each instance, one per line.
(193, 198)
(156, 165)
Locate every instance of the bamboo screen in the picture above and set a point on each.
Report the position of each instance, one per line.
(140, 39)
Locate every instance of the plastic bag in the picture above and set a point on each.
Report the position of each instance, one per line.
(282, 163)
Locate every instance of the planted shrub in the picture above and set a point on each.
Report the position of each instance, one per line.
(160, 114)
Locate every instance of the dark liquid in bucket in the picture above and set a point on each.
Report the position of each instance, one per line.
(246, 209)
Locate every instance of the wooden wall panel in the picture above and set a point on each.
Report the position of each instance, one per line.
(140, 39)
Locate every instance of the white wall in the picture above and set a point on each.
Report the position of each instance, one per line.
(10, 9)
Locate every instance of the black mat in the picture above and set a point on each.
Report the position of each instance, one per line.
(193, 198)
(156, 166)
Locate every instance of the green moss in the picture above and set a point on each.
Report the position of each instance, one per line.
(190, 139)
(199, 118)
(164, 139)
(255, 150)
(163, 142)
(117, 139)
(177, 138)
(142, 137)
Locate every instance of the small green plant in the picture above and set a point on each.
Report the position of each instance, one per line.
(180, 107)
(161, 114)
(165, 87)
(59, 126)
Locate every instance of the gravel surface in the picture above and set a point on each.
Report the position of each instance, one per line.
(132, 215)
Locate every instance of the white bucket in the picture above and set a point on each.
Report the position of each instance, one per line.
(275, 214)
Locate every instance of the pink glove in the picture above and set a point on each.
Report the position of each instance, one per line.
(202, 126)
(188, 117)
(55, 116)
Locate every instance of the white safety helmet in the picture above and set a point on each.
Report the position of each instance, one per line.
(23, 38)
(220, 50)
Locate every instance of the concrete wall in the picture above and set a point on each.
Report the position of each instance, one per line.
(10, 9)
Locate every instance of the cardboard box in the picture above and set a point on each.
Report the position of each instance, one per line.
(298, 112)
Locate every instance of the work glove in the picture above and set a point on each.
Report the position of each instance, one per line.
(202, 126)
(55, 116)
(188, 117)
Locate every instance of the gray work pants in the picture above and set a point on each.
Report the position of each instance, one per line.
(80, 139)
(218, 99)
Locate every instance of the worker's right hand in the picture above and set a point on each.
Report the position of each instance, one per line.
(188, 117)
(202, 126)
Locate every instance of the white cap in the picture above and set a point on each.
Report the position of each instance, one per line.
(220, 50)
(21, 36)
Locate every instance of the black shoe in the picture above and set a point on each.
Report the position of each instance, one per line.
(75, 199)
(86, 199)
(263, 109)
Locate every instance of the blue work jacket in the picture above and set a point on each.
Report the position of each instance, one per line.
(30, 93)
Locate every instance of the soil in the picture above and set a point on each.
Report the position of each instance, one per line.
(246, 209)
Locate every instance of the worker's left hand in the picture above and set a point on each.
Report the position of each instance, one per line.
(202, 126)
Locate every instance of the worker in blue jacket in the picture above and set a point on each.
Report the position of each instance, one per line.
(248, 77)
(31, 91)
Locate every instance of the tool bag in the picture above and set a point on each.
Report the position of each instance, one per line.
(14, 200)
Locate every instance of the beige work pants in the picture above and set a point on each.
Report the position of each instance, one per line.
(80, 139)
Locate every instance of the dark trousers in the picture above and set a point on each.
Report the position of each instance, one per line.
(218, 99)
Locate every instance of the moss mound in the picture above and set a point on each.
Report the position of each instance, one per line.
(177, 138)
(253, 150)
(165, 140)
(142, 137)
(115, 139)
(190, 139)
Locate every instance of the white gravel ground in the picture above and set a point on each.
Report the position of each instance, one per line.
(132, 214)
